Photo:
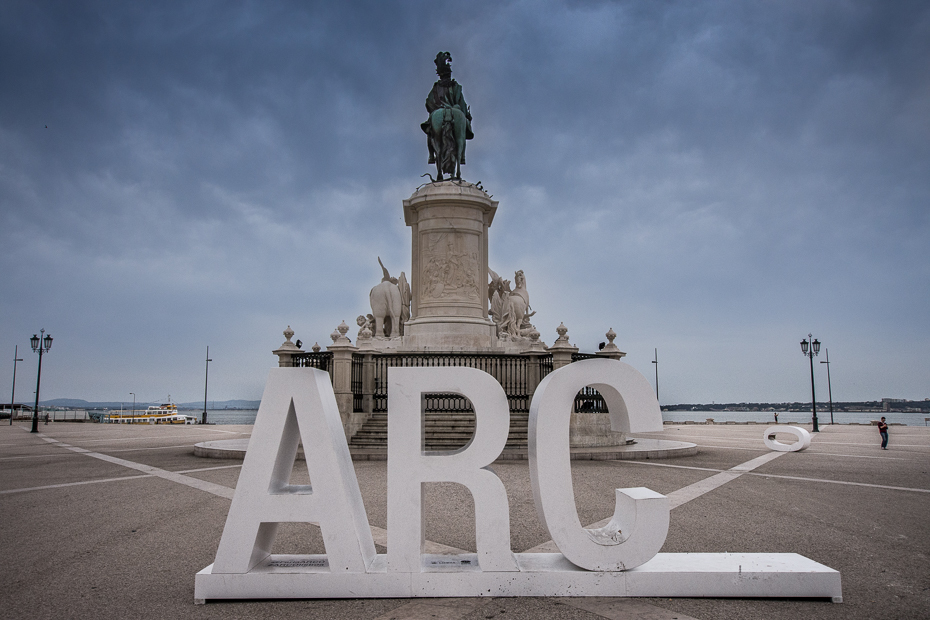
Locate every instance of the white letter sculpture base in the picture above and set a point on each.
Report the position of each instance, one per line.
(620, 559)
(803, 438)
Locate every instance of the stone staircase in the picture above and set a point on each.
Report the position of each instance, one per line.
(444, 431)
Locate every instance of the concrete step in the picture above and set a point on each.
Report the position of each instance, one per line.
(443, 430)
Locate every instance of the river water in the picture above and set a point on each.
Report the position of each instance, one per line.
(226, 416)
(796, 417)
(247, 416)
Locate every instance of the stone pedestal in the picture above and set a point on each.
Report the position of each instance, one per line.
(342, 351)
(611, 351)
(562, 350)
(449, 270)
(287, 350)
(587, 429)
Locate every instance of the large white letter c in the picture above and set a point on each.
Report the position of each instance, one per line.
(641, 516)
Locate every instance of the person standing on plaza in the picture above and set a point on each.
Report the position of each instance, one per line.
(883, 431)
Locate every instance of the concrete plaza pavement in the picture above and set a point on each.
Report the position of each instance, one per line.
(108, 521)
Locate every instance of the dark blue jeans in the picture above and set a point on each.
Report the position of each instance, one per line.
(884, 439)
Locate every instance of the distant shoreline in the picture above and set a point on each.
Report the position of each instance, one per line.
(877, 406)
(885, 405)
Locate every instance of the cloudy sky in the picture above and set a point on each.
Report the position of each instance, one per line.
(714, 180)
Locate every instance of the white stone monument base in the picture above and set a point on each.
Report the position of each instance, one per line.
(593, 430)
(449, 333)
(731, 575)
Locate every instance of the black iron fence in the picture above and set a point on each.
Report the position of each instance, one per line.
(513, 372)
(321, 359)
(447, 403)
(545, 365)
(577, 357)
(509, 370)
(357, 379)
(588, 399)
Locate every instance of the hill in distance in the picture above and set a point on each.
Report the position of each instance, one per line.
(77, 403)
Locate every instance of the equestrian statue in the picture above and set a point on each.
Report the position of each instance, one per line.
(449, 122)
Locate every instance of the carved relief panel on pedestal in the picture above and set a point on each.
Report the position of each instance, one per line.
(450, 267)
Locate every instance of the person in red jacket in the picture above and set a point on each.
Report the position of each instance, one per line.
(883, 430)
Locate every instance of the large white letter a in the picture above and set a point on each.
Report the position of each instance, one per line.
(297, 403)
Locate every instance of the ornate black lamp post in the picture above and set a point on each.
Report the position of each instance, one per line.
(40, 344)
(810, 349)
(13, 395)
(829, 384)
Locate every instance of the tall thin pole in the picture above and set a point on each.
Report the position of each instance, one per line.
(829, 384)
(656, 362)
(810, 356)
(132, 418)
(206, 378)
(13, 395)
(35, 412)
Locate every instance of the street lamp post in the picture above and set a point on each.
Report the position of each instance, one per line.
(13, 395)
(40, 344)
(656, 362)
(829, 384)
(206, 377)
(132, 418)
(810, 349)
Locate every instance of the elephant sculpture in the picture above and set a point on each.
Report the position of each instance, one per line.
(387, 306)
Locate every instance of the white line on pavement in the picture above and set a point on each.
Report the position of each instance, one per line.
(856, 484)
(202, 485)
(146, 438)
(685, 494)
(802, 478)
(699, 488)
(854, 456)
(192, 471)
(83, 482)
(817, 453)
(378, 534)
(216, 430)
(73, 484)
(663, 435)
(871, 443)
(184, 445)
(36, 456)
(39, 456)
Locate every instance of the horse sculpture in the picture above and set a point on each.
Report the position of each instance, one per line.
(509, 308)
(449, 122)
(519, 301)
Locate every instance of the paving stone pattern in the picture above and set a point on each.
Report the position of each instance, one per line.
(104, 521)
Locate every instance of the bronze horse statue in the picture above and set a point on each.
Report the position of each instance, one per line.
(449, 122)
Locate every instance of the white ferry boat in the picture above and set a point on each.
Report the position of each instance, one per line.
(166, 413)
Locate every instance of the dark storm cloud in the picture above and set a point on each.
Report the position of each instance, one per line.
(705, 177)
